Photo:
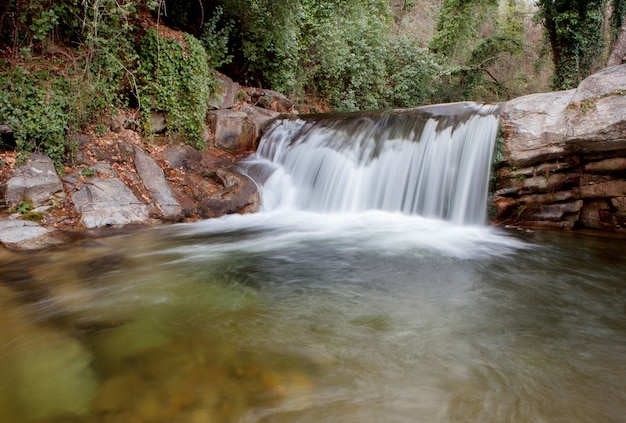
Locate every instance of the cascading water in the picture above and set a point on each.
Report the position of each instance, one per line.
(432, 161)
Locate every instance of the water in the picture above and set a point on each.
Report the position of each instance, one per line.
(304, 317)
(324, 310)
(433, 161)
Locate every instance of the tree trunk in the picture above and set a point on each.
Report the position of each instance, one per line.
(619, 48)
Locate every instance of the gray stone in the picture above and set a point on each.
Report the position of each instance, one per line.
(183, 156)
(239, 195)
(534, 130)
(565, 156)
(36, 181)
(233, 131)
(226, 93)
(153, 179)
(158, 122)
(108, 202)
(269, 99)
(25, 235)
(260, 117)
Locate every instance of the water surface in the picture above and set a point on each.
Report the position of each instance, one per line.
(304, 317)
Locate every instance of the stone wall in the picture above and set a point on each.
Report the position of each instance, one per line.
(565, 157)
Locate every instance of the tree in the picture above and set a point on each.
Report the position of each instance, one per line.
(574, 29)
(618, 32)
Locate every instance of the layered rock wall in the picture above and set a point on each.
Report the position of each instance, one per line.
(565, 157)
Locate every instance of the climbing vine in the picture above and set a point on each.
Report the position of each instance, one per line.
(574, 29)
(175, 78)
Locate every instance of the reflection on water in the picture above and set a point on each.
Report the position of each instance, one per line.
(298, 317)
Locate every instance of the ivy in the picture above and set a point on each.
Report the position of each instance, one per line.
(574, 29)
(38, 107)
(175, 78)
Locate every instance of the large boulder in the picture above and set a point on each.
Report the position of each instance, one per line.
(36, 181)
(108, 202)
(153, 179)
(565, 156)
(225, 94)
(233, 131)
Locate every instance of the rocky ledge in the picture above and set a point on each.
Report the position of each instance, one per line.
(119, 178)
(565, 157)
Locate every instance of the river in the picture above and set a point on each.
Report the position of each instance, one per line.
(369, 289)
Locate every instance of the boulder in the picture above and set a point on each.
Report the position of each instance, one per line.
(565, 156)
(238, 194)
(108, 202)
(233, 131)
(260, 117)
(36, 181)
(153, 179)
(269, 99)
(225, 94)
(25, 235)
(158, 122)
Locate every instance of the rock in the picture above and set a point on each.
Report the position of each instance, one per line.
(270, 100)
(25, 235)
(183, 157)
(565, 156)
(233, 131)
(7, 137)
(54, 374)
(238, 195)
(260, 117)
(153, 179)
(117, 123)
(533, 127)
(158, 122)
(226, 93)
(35, 181)
(108, 202)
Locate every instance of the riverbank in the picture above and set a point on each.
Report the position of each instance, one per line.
(120, 177)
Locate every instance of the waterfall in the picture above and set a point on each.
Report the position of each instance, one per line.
(433, 161)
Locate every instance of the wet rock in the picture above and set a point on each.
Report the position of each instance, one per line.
(35, 181)
(108, 202)
(153, 179)
(260, 117)
(47, 374)
(239, 194)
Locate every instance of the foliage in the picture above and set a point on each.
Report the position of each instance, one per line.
(414, 74)
(459, 24)
(59, 90)
(344, 61)
(215, 40)
(176, 79)
(574, 29)
(38, 106)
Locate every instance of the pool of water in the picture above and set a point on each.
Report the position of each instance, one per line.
(304, 317)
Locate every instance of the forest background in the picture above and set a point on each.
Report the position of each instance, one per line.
(67, 66)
